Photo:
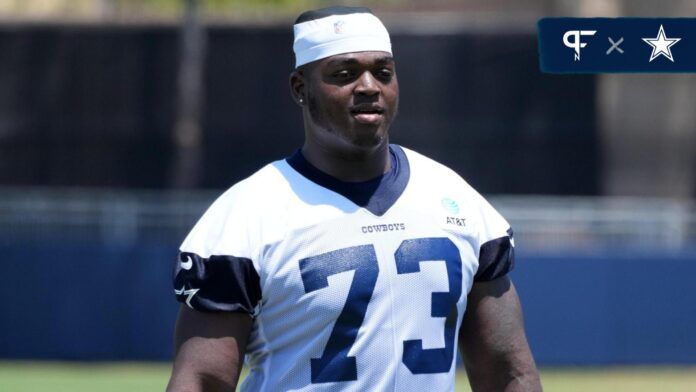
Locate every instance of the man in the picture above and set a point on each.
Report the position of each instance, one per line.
(349, 265)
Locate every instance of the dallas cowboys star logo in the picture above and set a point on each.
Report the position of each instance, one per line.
(189, 293)
(661, 45)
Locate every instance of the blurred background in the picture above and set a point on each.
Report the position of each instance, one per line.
(121, 120)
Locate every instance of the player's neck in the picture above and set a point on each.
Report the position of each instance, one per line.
(350, 166)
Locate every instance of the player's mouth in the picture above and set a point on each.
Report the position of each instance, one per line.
(367, 113)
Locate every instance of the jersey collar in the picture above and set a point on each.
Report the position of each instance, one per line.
(376, 195)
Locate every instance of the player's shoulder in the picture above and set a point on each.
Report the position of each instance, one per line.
(425, 170)
(234, 223)
(433, 179)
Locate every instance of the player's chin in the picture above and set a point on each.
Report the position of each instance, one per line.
(368, 137)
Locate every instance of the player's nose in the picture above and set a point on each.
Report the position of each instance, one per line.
(367, 85)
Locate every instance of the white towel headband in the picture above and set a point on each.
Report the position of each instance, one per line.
(335, 30)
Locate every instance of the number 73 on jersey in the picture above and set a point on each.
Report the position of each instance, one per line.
(335, 364)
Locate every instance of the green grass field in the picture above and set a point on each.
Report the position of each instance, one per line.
(145, 377)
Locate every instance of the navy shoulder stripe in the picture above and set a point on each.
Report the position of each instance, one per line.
(217, 283)
(496, 258)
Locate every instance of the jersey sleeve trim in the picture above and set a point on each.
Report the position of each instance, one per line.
(496, 258)
(217, 283)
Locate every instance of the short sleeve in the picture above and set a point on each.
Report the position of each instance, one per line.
(497, 247)
(219, 283)
(215, 271)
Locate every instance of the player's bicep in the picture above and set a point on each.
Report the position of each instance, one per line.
(492, 339)
(209, 350)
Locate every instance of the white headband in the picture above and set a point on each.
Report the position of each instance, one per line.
(335, 34)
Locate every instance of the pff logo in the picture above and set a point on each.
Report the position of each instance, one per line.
(576, 42)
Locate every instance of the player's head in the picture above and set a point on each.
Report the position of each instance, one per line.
(345, 77)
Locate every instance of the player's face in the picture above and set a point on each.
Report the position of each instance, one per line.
(351, 99)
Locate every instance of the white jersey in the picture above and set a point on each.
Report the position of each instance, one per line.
(353, 287)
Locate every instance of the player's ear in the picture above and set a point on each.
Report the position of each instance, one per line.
(297, 87)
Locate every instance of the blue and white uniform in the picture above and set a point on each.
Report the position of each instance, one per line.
(352, 287)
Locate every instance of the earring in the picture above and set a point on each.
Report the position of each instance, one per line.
(301, 100)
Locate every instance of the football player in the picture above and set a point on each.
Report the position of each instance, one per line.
(354, 264)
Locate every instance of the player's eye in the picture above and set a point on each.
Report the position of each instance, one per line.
(343, 74)
(384, 74)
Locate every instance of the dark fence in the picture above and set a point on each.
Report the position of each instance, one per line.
(95, 106)
(610, 307)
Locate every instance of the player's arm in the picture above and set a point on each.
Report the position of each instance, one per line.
(493, 342)
(209, 350)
